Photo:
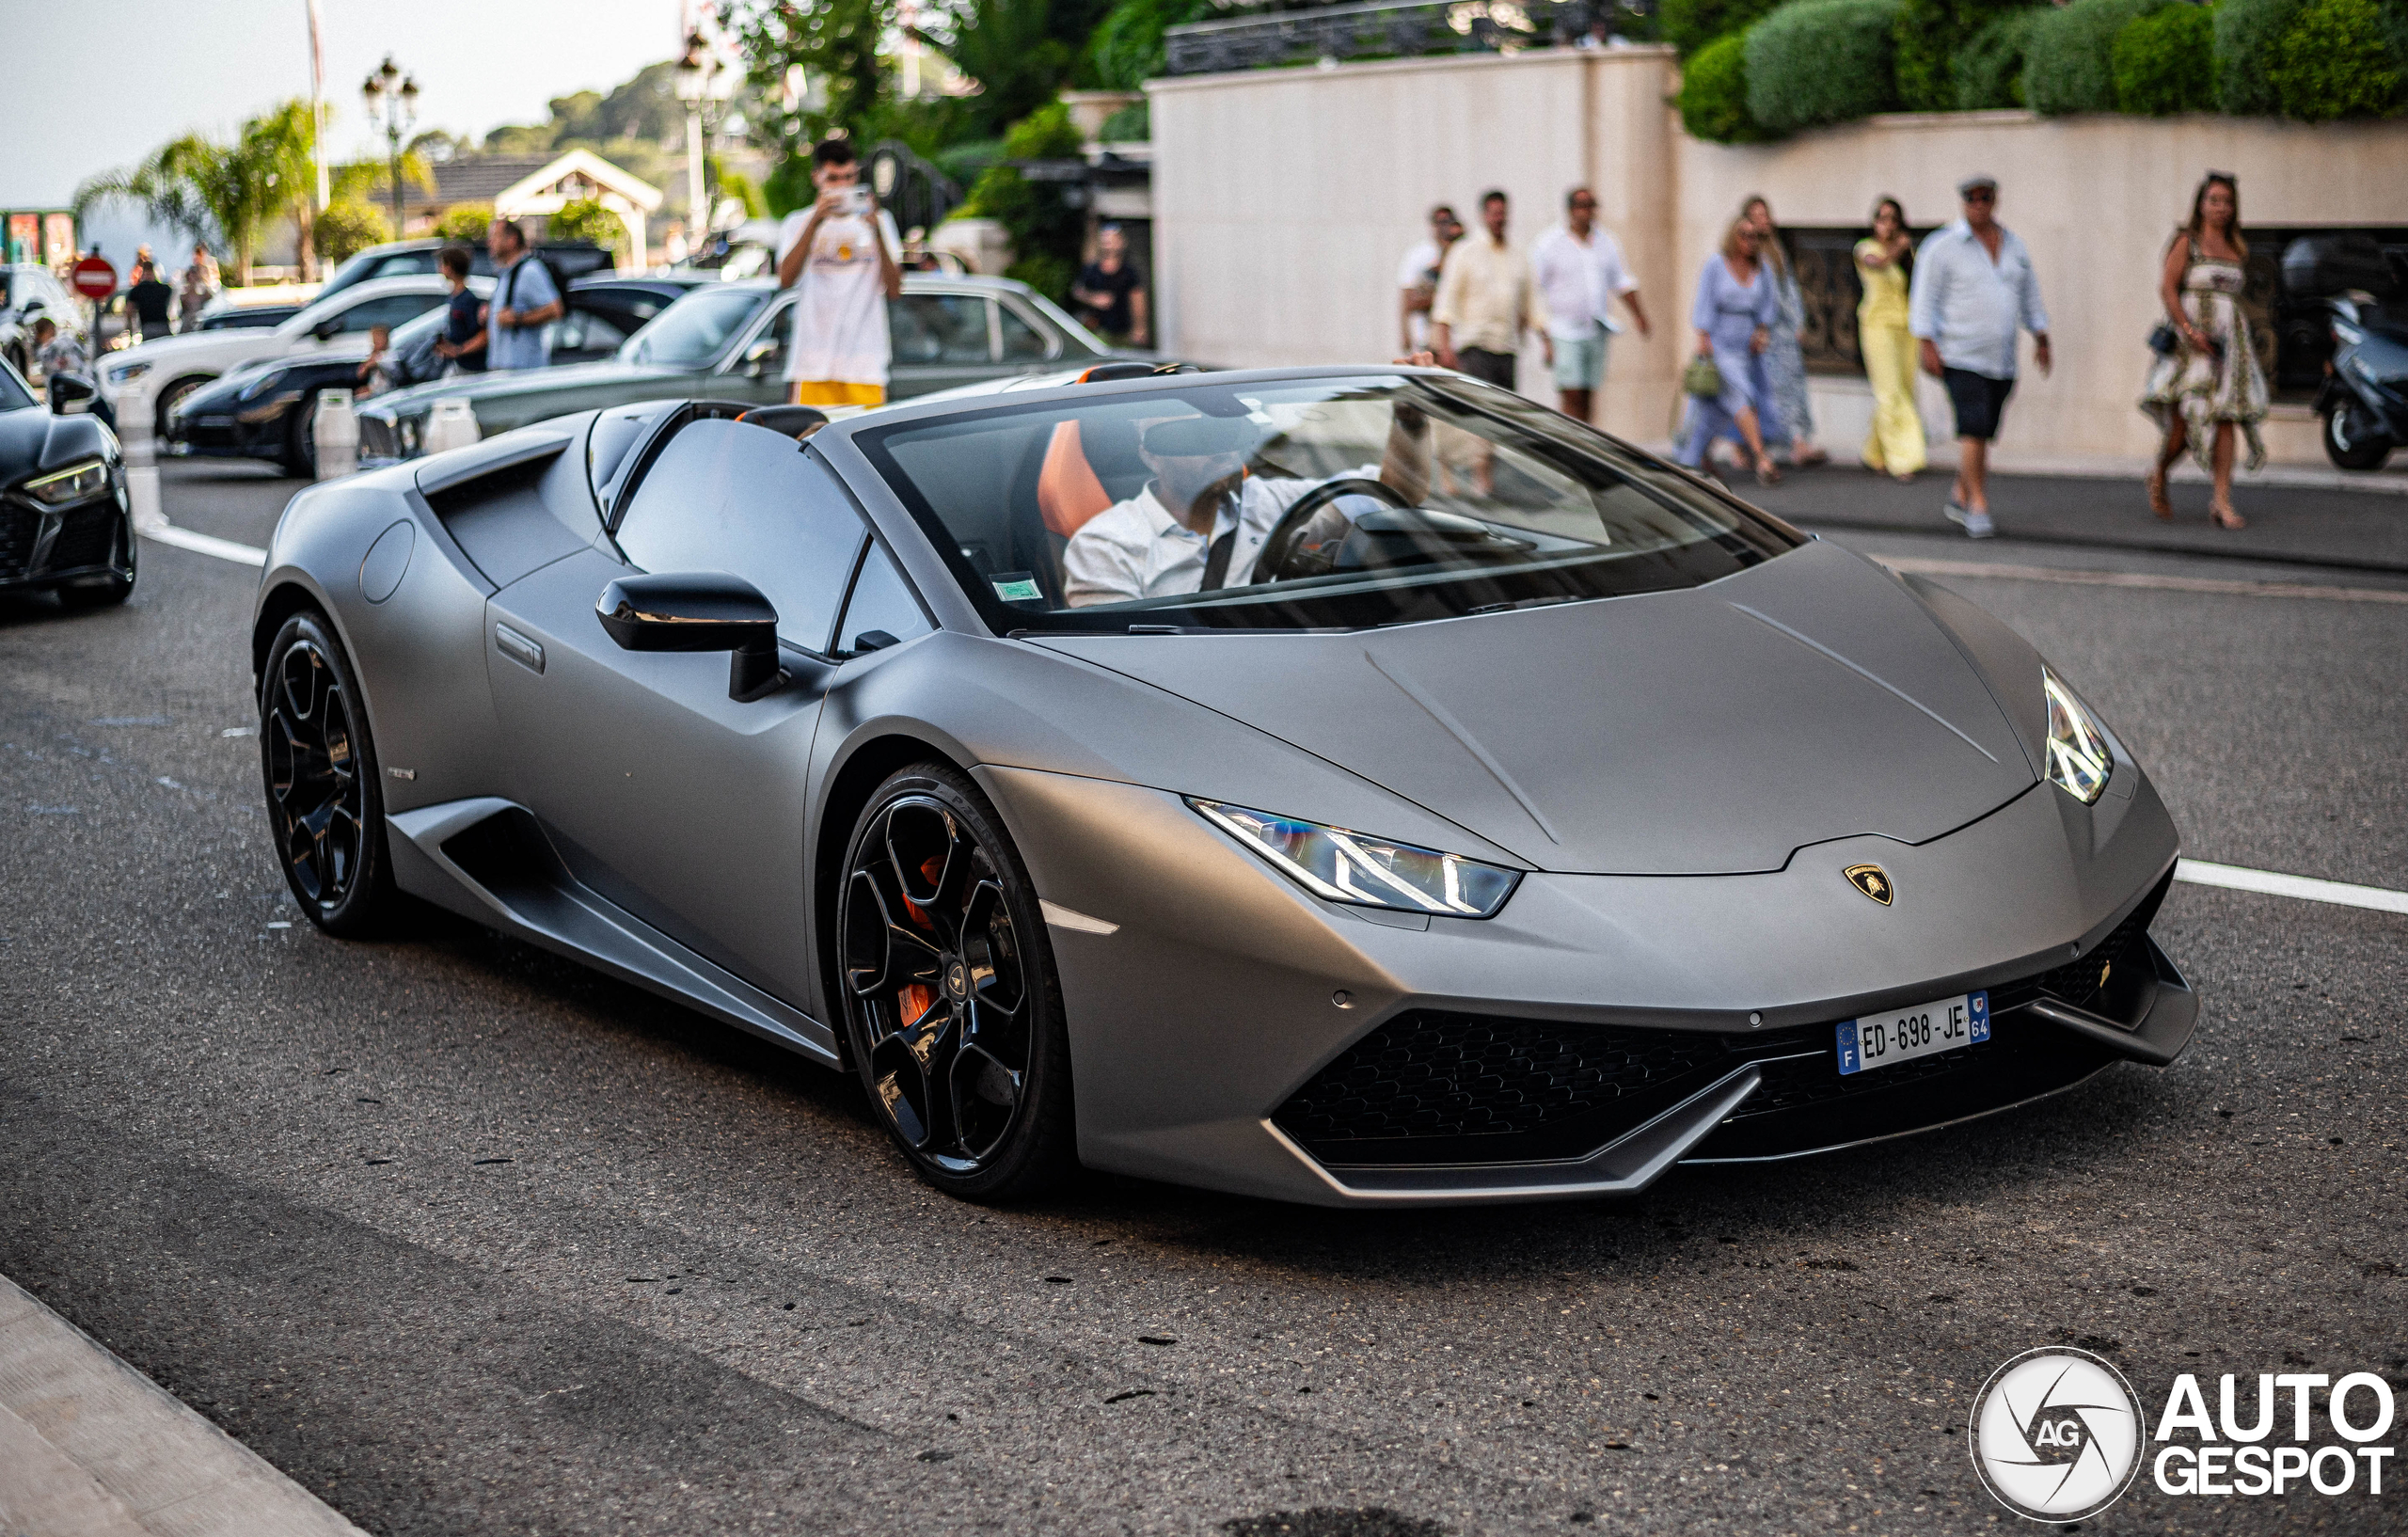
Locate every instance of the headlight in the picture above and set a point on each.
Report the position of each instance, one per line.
(1343, 866)
(127, 372)
(2078, 762)
(76, 482)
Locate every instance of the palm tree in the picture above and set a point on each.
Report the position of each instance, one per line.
(225, 194)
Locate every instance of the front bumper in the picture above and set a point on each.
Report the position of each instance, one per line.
(39, 545)
(1238, 1034)
(224, 436)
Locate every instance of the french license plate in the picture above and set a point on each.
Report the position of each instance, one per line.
(1878, 1040)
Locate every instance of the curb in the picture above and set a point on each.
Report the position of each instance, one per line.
(90, 1447)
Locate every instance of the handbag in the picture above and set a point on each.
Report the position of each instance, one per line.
(1702, 378)
(2163, 340)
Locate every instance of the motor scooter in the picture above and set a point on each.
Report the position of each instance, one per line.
(2364, 401)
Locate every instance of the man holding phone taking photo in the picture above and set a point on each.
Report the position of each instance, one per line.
(840, 254)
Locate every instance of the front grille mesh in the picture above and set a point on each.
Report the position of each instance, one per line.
(85, 539)
(18, 529)
(1435, 1074)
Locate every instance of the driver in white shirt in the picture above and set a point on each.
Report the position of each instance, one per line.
(1200, 523)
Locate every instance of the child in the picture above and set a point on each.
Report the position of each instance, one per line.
(56, 352)
(376, 370)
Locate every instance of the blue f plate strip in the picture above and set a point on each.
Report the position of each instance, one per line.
(1977, 1030)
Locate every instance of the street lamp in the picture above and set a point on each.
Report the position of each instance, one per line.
(391, 99)
(699, 70)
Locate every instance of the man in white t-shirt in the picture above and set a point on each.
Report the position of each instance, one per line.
(1416, 278)
(1579, 272)
(841, 255)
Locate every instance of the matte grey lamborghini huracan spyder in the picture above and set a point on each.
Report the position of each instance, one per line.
(1350, 786)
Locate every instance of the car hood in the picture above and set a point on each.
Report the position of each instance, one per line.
(509, 382)
(1710, 731)
(32, 440)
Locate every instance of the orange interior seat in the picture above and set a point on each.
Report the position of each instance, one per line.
(1068, 491)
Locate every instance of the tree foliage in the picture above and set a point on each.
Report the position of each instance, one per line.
(2336, 59)
(1128, 50)
(1822, 61)
(1045, 231)
(228, 195)
(582, 218)
(2069, 65)
(2164, 62)
(1714, 93)
(1932, 38)
(1988, 70)
(348, 227)
(467, 223)
(835, 42)
(1689, 25)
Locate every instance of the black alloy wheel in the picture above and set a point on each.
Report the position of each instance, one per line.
(2352, 440)
(166, 404)
(323, 805)
(950, 1000)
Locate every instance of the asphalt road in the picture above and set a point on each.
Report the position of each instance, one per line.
(467, 1239)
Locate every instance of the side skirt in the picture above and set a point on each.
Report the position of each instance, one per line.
(487, 860)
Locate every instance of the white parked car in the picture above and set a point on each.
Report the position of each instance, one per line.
(156, 374)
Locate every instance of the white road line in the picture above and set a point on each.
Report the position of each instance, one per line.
(160, 531)
(2236, 878)
(2087, 577)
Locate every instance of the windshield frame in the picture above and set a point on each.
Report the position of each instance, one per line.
(1767, 536)
(701, 293)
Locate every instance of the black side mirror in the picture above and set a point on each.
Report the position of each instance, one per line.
(70, 392)
(327, 329)
(707, 611)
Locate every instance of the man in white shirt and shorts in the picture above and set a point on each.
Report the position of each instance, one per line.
(1579, 272)
(1416, 278)
(841, 256)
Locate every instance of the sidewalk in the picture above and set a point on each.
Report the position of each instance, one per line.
(91, 1448)
(2289, 525)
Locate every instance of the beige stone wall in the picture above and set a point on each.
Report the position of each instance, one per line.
(1285, 198)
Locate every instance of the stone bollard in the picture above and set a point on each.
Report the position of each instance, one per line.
(451, 425)
(336, 433)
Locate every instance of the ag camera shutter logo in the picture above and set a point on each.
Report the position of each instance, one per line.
(2057, 1434)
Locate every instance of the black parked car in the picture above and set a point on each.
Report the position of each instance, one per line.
(571, 260)
(268, 410)
(65, 522)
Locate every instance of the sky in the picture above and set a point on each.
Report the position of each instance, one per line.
(93, 89)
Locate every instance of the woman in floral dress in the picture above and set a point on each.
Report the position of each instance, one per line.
(2210, 385)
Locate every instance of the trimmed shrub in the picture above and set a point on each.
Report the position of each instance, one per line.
(1932, 38)
(348, 227)
(582, 218)
(2247, 32)
(2335, 60)
(1690, 26)
(1990, 69)
(2068, 65)
(1714, 93)
(2165, 63)
(465, 222)
(1822, 61)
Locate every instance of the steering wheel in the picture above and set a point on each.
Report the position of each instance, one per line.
(1282, 556)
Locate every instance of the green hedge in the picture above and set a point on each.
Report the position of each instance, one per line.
(1822, 61)
(2069, 64)
(1690, 26)
(1989, 70)
(2164, 62)
(1714, 93)
(2336, 59)
(1934, 38)
(2247, 33)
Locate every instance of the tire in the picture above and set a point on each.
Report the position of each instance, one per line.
(2352, 441)
(325, 808)
(951, 1003)
(166, 403)
(106, 591)
(301, 444)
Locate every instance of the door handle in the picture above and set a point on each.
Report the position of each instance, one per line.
(519, 648)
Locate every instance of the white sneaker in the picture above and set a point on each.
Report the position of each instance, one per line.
(1978, 526)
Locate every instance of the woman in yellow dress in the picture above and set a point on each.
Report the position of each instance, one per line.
(1895, 443)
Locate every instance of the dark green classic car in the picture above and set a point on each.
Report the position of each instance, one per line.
(728, 342)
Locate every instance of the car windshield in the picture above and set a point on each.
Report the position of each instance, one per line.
(1302, 503)
(695, 329)
(14, 396)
